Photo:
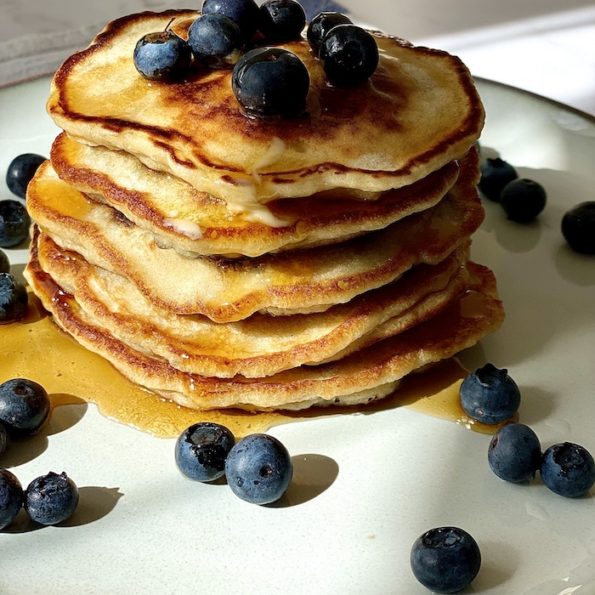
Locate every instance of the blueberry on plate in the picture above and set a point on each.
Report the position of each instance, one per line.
(522, 200)
(259, 469)
(271, 82)
(24, 406)
(495, 174)
(490, 395)
(11, 498)
(281, 20)
(4, 263)
(568, 469)
(13, 299)
(515, 453)
(20, 171)
(349, 55)
(201, 451)
(244, 12)
(14, 223)
(320, 25)
(51, 499)
(445, 559)
(162, 56)
(578, 227)
(215, 40)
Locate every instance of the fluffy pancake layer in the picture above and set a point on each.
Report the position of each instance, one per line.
(261, 345)
(384, 134)
(368, 374)
(292, 282)
(195, 223)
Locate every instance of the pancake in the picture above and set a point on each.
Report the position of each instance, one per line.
(285, 283)
(418, 112)
(370, 373)
(261, 345)
(193, 222)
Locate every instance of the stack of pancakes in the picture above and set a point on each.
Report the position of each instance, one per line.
(226, 261)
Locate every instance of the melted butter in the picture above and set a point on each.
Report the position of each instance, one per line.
(35, 348)
(249, 208)
(259, 213)
(270, 156)
(184, 227)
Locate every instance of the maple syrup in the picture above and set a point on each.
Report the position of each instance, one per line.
(35, 348)
(64, 199)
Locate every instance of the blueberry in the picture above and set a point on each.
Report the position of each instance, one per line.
(20, 171)
(495, 174)
(51, 499)
(215, 40)
(13, 299)
(490, 395)
(445, 559)
(3, 438)
(162, 55)
(271, 82)
(320, 25)
(259, 469)
(24, 406)
(244, 12)
(522, 200)
(14, 223)
(201, 451)
(11, 498)
(281, 20)
(349, 55)
(4, 263)
(578, 227)
(515, 453)
(568, 469)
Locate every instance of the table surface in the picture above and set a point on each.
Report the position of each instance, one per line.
(544, 46)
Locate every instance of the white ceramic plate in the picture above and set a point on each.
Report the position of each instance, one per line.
(370, 483)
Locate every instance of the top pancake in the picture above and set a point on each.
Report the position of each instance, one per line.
(418, 111)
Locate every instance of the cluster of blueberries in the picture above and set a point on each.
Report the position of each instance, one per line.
(14, 229)
(447, 559)
(523, 199)
(49, 499)
(266, 81)
(258, 468)
(491, 396)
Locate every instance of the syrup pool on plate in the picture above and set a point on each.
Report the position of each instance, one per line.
(35, 348)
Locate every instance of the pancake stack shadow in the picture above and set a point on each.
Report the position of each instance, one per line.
(224, 261)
